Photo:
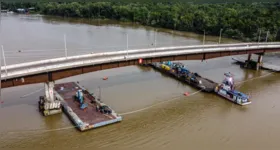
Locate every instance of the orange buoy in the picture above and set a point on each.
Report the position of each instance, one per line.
(186, 94)
(105, 78)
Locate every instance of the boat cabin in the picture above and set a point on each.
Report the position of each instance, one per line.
(227, 89)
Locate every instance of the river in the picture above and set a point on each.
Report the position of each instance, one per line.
(155, 112)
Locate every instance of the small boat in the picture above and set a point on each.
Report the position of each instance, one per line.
(226, 90)
(105, 78)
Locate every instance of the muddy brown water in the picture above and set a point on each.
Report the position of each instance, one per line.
(156, 115)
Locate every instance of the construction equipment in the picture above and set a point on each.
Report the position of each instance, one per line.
(80, 98)
(180, 68)
(183, 71)
(165, 67)
(104, 109)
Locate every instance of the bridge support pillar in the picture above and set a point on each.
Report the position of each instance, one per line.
(248, 60)
(259, 63)
(249, 57)
(49, 104)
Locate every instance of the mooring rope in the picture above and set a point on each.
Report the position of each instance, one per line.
(240, 82)
(142, 109)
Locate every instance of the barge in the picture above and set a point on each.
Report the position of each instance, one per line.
(226, 90)
(84, 109)
(180, 72)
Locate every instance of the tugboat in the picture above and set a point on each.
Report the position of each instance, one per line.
(226, 90)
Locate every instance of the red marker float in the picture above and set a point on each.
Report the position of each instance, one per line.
(140, 61)
(186, 94)
(105, 78)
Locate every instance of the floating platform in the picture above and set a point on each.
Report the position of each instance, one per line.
(265, 66)
(88, 118)
(205, 85)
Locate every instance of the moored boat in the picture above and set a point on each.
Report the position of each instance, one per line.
(226, 90)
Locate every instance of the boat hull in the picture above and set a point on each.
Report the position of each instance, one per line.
(221, 93)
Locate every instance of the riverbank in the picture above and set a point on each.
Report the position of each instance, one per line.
(236, 21)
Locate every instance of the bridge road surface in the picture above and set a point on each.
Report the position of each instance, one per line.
(32, 68)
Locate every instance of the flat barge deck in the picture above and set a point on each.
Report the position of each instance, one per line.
(84, 119)
(205, 84)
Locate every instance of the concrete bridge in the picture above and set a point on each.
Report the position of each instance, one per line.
(58, 68)
(47, 71)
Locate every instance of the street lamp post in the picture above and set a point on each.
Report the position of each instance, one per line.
(220, 36)
(155, 42)
(259, 35)
(276, 35)
(204, 38)
(156, 38)
(172, 37)
(126, 45)
(266, 36)
(65, 47)
(3, 54)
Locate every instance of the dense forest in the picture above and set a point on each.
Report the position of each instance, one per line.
(241, 21)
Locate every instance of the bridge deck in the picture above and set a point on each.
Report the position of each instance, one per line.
(90, 116)
(59, 68)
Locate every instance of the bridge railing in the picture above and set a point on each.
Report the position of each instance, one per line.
(73, 58)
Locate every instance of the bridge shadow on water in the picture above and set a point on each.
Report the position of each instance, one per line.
(144, 68)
